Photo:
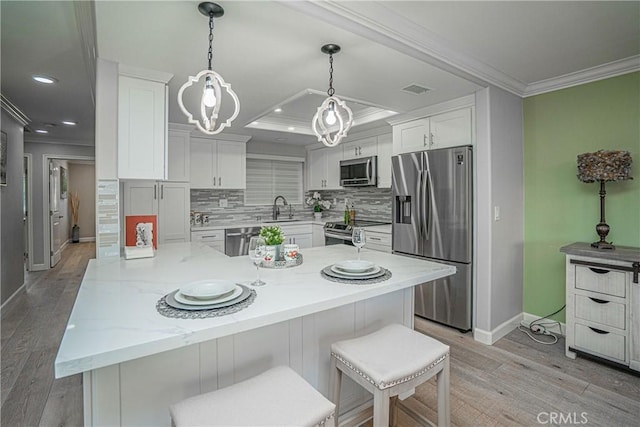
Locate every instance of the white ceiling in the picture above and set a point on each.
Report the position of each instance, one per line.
(270, 51)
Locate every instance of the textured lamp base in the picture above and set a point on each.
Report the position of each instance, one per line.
(603, 245)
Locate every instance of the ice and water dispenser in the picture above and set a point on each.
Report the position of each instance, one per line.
(403, 210)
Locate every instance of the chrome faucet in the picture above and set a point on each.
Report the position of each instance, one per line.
(276, 209)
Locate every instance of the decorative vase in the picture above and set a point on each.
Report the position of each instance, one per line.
(317, 215)
(272, 253)
(75, 234)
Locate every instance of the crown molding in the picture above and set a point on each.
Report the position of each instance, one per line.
(599, 72)
(14, 111)
(32, 139)
(144, 73)
(430, 110)
(232, 137)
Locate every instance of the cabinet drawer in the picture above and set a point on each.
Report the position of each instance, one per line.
(604, 281)
(600, 311)
(603, 343)
(289, 230)
(377, 247)
(378, 238)
(207, 236)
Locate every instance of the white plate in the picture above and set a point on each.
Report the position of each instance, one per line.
(207, 289)
(354, 266)
(373, 270)
(235, 293)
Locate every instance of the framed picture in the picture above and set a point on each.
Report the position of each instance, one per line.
(3, 159)
(64, 184)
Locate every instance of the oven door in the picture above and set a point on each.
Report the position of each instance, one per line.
(336, 239)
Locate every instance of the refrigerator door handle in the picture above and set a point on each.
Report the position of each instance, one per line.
(369, 170)
(425, 217)
(420, 219)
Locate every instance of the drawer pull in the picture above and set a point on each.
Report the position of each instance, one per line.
(598, 270)
(212, 236)
(599, 301)
(598, 331)
(375, 238)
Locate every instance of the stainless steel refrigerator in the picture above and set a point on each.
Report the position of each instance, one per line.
(432, 218)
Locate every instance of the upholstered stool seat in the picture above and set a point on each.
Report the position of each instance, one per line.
(277, 397)
(388, 362)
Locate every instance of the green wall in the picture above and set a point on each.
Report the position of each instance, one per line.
(559, 209)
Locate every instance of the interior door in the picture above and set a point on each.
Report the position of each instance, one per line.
(54, 213)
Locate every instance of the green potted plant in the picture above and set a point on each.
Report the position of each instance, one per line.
(273, 238)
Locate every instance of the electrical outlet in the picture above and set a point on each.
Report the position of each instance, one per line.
(224, 203)
(496, 213)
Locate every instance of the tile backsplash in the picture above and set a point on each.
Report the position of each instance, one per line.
(369, 203)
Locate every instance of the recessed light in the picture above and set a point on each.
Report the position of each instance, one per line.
(69, 123)
(281, 139)
(291, 128)
(44, 79)
(278, 110)
(41, 131)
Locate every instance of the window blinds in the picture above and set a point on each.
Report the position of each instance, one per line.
(267, 179)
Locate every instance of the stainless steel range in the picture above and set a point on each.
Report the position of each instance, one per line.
(339, 233)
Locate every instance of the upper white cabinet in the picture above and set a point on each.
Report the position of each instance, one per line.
(366, 147)
(142, 124)
(179, 157)
(450, 129)
(217, 164)
(385, 151)
(324, 168)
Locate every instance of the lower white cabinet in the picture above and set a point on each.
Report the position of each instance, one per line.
(169, 201)
(298, 233)
(378, 241)
(603, 310)
(212, 238)
(317, 238)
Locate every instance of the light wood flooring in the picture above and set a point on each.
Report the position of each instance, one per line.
(509, 383)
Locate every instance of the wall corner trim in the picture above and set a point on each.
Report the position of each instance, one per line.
(14, 111)
(13, 295)
(490, 337)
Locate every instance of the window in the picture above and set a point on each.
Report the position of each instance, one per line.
(267, 179)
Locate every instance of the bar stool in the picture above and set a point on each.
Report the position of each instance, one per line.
(389, 362)
(277, 397)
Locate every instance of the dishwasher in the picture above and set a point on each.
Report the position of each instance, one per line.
(236, 240)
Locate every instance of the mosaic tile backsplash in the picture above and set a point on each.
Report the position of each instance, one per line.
(369, 203)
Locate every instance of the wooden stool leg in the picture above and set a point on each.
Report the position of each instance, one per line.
(443, 395)
(394, 412)
(335, 382)
(381, 408)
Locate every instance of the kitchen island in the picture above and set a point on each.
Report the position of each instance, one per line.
(135, 362)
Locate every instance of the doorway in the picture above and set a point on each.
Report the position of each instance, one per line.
(27, 219)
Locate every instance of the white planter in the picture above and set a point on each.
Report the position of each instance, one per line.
(317, 215)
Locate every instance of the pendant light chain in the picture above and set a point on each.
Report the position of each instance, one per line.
(210, 55)
(331, 90)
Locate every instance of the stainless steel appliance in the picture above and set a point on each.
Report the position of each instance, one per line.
(360, 172)
(236, 240)
(432, 218)
(339, 233)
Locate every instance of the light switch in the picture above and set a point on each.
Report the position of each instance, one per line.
(496, 213)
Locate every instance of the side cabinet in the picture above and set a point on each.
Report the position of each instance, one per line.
(602, 319)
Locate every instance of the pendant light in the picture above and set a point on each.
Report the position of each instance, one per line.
(333, 111)
(211, 98)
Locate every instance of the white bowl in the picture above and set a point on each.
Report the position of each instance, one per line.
(207, 289)
(354, 265)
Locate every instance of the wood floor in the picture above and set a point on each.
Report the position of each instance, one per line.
(515, 382)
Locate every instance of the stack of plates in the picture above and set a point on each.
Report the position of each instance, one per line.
(207, 295)
(354, 269)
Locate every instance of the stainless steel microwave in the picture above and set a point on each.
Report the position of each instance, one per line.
(360, 172)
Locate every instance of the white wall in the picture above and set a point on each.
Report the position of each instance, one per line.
(40, 189)
(499, 183)
(271, 148)
(11, 228)
(82, 179)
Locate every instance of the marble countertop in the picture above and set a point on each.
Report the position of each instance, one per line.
(221, 225)
(114, 318)
(620, 253)
(386, 228)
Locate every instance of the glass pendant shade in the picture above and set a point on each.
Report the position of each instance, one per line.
(332, 121)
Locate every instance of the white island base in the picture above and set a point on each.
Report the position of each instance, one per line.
(136, 362)
(139, 392)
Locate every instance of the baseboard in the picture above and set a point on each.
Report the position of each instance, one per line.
(20, 289)
(64, 245)
(38, 267)
(528, 318)
(87, 239)
(490, 337)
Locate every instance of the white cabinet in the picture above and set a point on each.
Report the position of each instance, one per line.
(378, 241)
(450, 129)
(385, 151)
(217, 164)
(170, 201)
(298, 233)
(179, 157)
(365, 147)
(602, 303)
(212, 238)
(142, 129)
(323, 171)
(317, 238)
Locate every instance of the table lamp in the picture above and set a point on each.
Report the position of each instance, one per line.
(604, 165)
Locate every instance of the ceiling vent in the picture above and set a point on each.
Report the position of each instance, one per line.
(415, 89)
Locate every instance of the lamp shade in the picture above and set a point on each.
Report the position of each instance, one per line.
(604, 165)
